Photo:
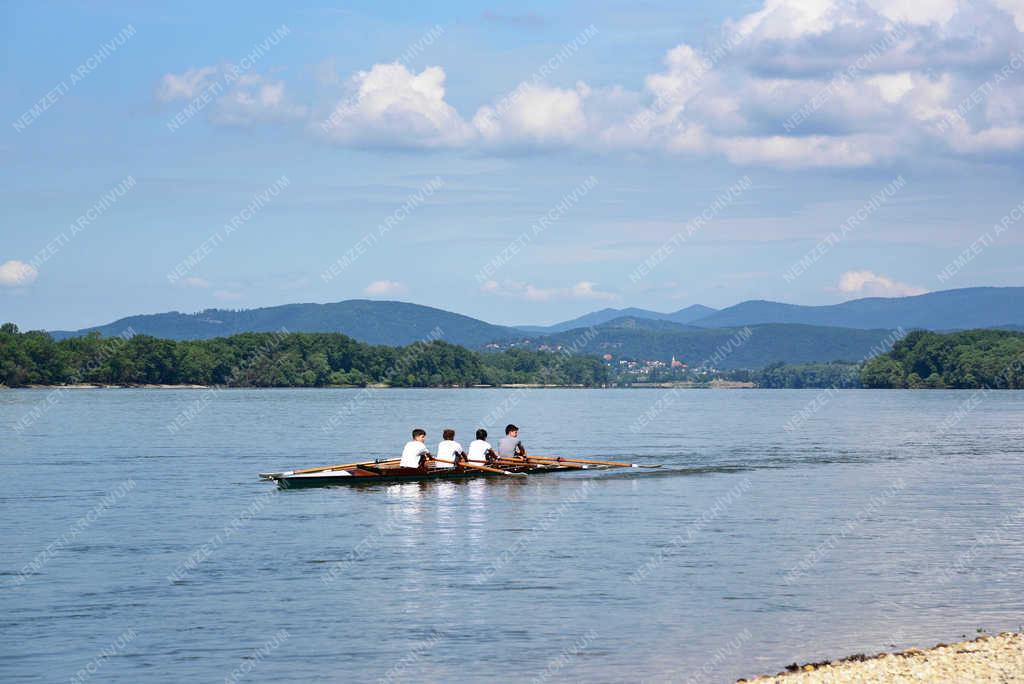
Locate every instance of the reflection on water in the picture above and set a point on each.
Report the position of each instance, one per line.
(651, 575)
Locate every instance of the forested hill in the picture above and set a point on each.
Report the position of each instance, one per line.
(972, 307)
(683, 316)
(965, 360)
(276, 360)
(375, 322)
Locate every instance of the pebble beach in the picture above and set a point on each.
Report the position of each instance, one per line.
(987, 659)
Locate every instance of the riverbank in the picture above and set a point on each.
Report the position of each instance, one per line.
(82, 385)
(985, 659)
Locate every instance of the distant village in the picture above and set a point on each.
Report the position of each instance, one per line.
(639, 372)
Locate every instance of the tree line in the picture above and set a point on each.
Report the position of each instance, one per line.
(838, 374)
(970, 359)
(278, 359)
(967, 360)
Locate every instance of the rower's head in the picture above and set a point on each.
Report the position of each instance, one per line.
(448, 434)
(511, 430)
(481, 434)
(419, 435)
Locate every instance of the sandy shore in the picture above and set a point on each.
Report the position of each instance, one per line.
(986, 659)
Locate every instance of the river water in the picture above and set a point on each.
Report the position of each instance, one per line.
(784, 526)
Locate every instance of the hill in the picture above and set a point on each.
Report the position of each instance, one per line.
(687, 315)
(639, 333)
(374, 322)
(725, 348)
(975, 307)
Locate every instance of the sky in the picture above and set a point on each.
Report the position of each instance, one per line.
(517, 162)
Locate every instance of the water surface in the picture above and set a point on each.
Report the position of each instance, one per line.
(140, 546)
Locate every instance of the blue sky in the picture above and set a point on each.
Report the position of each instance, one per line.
(655, 110)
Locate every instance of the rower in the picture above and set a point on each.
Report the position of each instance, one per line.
(415, 453)
(449, 450)
(480, 450)
(509, 446)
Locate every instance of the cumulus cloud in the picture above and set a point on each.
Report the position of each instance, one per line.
(584, 289)
(381, 288)
(15, 273)
(794, 83)
(870, 284)
(534, 115)
(393, 106)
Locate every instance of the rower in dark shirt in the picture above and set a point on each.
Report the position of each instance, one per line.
(509, 446)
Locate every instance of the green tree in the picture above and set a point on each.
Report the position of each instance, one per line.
(882, 372)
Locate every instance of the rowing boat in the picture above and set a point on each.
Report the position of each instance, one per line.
(365, 473)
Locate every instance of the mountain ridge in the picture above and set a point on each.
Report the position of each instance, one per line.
(684, 315)
(960, 309)
(641, 332)
(367, 320)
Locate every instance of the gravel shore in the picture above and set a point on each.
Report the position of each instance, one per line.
(986, 659)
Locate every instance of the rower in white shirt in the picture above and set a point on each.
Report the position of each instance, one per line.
(480, 450)
(448, 450)
(415, 452)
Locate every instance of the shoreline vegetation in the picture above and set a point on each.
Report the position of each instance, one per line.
(974, 359)
(279, 359)
(717, 384)
(969, 359)
(988, 658)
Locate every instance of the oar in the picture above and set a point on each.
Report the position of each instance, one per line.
(528, 461)
(478, 467)
(342, 466)
(616, 464)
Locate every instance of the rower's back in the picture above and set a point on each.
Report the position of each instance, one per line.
(507, 446)
(447, 450)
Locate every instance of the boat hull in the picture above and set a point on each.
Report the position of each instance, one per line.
(358, 476)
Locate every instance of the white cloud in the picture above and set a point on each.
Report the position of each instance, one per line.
(241, 100)
(15, 273)
(870, 284)
(534, 114)
(584, 289)
(255, 98)
(1016, 9)
(783, 20)
(185, 86)
(380, 288)
(392, 106)
(918, 11)
(196, 282)
(794, 84)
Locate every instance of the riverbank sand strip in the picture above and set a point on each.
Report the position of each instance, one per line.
(986, 659)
